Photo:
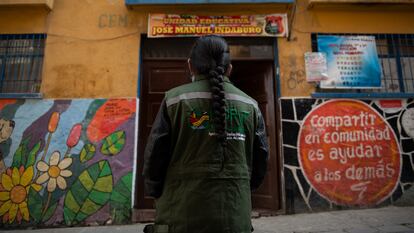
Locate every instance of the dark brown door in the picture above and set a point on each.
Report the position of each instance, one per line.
(164, 67)
(158, 77)
(253, 77)
(256, 78)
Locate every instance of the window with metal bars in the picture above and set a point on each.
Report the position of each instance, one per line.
(21, 60)
(396, 56)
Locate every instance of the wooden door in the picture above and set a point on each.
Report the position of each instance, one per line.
(158, 77)
(253, 77)
(256, 78)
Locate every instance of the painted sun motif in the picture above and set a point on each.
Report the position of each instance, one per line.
(14, 189)
(55, 172)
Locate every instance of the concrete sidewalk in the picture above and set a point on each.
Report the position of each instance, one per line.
(388, 219)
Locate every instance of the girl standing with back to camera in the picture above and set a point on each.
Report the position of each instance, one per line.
(207, 150)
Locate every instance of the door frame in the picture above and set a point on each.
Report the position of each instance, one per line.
(277, 91)
(277, 96)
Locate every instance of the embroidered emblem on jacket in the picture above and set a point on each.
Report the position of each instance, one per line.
(199, 121)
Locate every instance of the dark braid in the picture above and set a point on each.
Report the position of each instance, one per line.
(210, 57)
(219, 104)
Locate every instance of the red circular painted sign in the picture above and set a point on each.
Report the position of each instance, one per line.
(349, 153)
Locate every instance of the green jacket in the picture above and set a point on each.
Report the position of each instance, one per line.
(200, 186)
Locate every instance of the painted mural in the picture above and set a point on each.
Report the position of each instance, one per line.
(345, 153)
(66, 162)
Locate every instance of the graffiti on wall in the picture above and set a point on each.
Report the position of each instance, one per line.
(345, 153)
(113, 20)
(296, 76)
(66, 162)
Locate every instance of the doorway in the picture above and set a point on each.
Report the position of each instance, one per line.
(164, 66)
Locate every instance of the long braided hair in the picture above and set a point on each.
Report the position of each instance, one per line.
(210, 57)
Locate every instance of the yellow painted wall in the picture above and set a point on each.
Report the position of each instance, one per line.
(23, 20)
(92, 50)
(352, 19)
(93, 45)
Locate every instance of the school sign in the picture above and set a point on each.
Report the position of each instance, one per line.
(167, 25)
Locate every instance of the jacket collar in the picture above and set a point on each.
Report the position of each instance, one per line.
(200, 77)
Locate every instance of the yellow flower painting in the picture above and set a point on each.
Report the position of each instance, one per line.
(14, 189)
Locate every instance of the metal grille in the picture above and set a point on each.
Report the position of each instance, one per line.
(21, 59)
(396, 55)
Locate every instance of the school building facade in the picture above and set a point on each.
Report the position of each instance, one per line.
(81, 82)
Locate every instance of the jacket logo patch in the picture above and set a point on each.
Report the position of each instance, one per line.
(199, 120)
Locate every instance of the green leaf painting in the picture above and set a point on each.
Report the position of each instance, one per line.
(23, 156)
(113, 144)
(87, 152)
(19, 157)
(49, 212)
(121, 199)
(32, 155)
(90, 192)
(35, 204)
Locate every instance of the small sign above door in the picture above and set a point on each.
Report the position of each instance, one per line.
(168, 25)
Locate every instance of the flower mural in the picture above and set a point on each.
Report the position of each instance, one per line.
(73, 138)
(55, 172)
(14, 189)
(82, 173)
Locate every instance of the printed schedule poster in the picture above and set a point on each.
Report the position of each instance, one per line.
(352, 61)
